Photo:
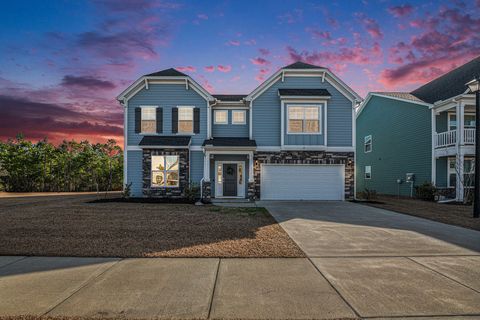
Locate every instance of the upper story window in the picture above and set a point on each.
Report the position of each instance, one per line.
(368, 172)
(368, 143)
(148, 123)
(165, 171)
(304, 119)
(221, 116)
(185, 120)
(468, 121)
(239, 117)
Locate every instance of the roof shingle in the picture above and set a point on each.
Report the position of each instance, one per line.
(167, 73)
(400, 95)
(230, 142)
(229, 97)
(302, 65)
(165, 141)
(304, 92)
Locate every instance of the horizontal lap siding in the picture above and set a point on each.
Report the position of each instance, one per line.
(266, 115)
(167, 96)
(401, 135)
(230, 130)
(134, 174)
(442, 172)
(196, 166)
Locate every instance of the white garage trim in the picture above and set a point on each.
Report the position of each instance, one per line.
(309, 182)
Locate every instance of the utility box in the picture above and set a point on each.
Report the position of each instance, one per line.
(410, 177)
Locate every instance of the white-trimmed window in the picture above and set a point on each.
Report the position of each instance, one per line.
(239, 117)
(149, 120)
(220, 116)
(185, 120)
(368, 172)
(304, 119)
(368, 143)
(468, 121)
(165, 171)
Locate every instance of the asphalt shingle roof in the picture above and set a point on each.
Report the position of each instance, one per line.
(175, 141)
(401, 95)
(167, 73)
(229, 97)
(230, 142)
(302, 65)
(304, 92)
(450, 84)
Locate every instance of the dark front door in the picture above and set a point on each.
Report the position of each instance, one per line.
(229, 180)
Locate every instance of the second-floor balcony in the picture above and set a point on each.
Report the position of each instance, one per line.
(450, 138)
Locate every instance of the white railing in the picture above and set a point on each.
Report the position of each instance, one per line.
(444, 139)
(469, 136)
(449, 138)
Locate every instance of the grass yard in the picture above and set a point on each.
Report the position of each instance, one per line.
(74, 226)
(455, 214)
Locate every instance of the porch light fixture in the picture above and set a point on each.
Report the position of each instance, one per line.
(474, 87)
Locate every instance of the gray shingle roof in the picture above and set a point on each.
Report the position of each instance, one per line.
(229, 97)
(230, 142)
(450, 84)
(174, 141)
(304, 92)
(401, 95)
(301, 65)
(167, 73)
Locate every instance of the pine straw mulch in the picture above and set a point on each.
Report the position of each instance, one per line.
(74, 226)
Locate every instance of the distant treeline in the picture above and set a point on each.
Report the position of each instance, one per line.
(70, 166)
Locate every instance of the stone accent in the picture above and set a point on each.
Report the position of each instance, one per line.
(207, 192)
(184, 163)
(251, 191)
(307, 157)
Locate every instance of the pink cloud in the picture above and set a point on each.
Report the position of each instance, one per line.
(250, 42)
(202, 16)
(235, 43)
(266, 52)
(209, 68)
(259, 61)
(371, 25)
(319, 34)
(261, 75)
(226, 68)
(187, 69)
(400, 11)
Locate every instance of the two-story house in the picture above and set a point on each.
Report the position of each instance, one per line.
(290, 138)
(429, 132)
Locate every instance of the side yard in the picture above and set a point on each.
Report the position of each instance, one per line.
(74, 226)
(455, 214)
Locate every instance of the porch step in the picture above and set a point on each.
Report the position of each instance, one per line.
(230, 201)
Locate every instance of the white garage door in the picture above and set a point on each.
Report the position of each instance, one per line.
(302, 182)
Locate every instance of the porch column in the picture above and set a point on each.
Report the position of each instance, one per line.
(206, 166)
(460, 123)
(459, 170)
(251, 177)
(434, 160)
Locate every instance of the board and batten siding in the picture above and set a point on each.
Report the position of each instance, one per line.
(230, 130)
(135, 172)
(167, 96)
(267, 113)
(401, 144)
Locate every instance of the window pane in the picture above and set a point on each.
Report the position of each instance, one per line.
(219, 173)
(221, 116)
(185, 113)
(311, 126)
(452, 179)
(311, 113)
(295, 113)
(295, 125)
(452, 164)
(452, 121)
(158, 163)
(240, 174)
(368, 139)
(148, 126)
(149, 113)
(470, 121)
(238, 116)
(172, 163)
(172, 179)
(368, 147)
(158, 179)
(185, 126)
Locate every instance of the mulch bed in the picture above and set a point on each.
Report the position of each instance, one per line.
(455, 214)
(74, 226)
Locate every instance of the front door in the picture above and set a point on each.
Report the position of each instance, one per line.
(229, 179)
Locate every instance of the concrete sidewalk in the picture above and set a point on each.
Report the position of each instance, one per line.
(188, 288)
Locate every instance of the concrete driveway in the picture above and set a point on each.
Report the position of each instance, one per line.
(385, 263)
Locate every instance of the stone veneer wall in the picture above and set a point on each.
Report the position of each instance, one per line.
(307, 157)
(184, 164)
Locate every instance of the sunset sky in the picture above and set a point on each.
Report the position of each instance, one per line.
(64, 62)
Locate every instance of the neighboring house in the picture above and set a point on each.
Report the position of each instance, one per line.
(418, 133)
(291, 138)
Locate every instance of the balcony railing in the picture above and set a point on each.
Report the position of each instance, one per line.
(449, 138)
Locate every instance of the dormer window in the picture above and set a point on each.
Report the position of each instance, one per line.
(304, 119)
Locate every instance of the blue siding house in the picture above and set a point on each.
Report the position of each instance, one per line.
(292, 137)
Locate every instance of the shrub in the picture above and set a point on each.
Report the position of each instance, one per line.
(425, 191)
(127, 191)
(192, 191)
(368, 194)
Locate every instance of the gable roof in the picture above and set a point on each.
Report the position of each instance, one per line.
(304, 92)
(450, 84)
(229, 97)
(400, 95)
(302, 65)
(167, 73)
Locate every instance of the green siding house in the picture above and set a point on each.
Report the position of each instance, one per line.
(394, 138)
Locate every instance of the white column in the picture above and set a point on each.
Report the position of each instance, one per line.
(459, 169)
(209, 119)
(460, 123)
(251, 177)
(206, 166)
(250, 132)
(434, 160)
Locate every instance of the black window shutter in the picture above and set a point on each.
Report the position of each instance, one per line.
(138, 120)
(174, 120)
(196, 120)
(159, 120)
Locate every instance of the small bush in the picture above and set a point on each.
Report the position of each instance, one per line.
(126, 193)
(426, 191)
(192, 191)
(368, 194)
